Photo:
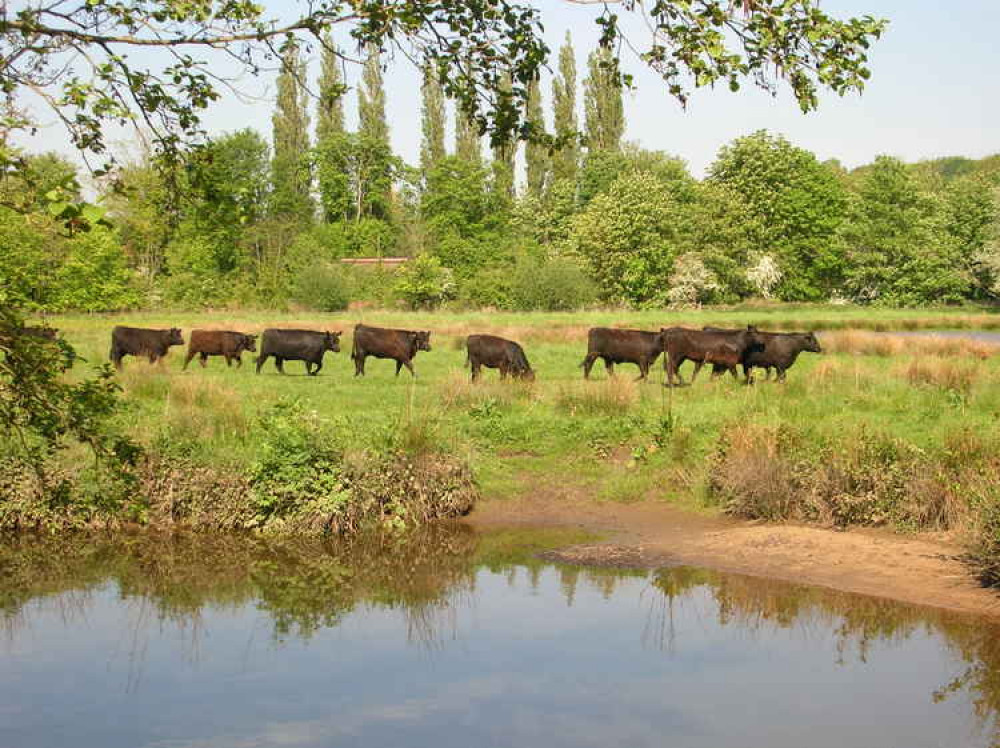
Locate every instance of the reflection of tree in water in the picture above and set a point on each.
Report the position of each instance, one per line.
(858, 622)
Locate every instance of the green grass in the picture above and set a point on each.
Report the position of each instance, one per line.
(614, 440)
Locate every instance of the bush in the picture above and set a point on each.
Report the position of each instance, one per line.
(555, 285)
(324, 288)
(489, 287)
(425, 283)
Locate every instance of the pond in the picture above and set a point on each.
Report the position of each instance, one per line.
(448, 637)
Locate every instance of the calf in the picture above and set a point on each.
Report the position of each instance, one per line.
(297, 345)
(725, 350)
(137, 341)
(399, 345)
(616, 346)
(205, 343)
(497, 353)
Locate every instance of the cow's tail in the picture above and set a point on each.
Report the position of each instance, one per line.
(468, 360)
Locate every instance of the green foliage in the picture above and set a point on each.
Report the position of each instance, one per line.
(424, 283)
(797, 204)
(604, 110)
(44, 416)
(566, 160)
(432, 148)
(627, 236)
(899, 251)
(490, 286)
(555, 285)
(93, 276)
(323, 287)
(291, 177)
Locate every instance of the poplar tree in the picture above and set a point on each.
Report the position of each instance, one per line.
(504, 153)
(536, 157)
(432, 148)
(566, 161)
(468, 147)
(291, 179)
(602, 102)
(333, 144)
(374, 153)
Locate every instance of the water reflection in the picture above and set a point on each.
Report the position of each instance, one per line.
(346, 641)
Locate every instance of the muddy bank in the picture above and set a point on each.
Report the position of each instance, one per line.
(924, 569)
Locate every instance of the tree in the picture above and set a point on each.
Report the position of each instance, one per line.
(604, 111)
(432, 148)
(468, 143)
(708, 40)
(373, 180)
(691, 283)
(799, 205)
(332, 141)
(629, 236)
(536, 155)
(291, 177)
(567, 159)
(899, 252)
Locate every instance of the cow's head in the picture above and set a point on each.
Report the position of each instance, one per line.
(811, 343)
(526, 375)
(249, 343)
(175, 337)
(331, 341)
(422, 340)
(755, 341)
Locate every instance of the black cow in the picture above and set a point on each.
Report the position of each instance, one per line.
(205, 343)
(725, 350)
(399, 345)
(616, 346)
(297, 345)
(138, 341)
(497, 353)
(781, 349)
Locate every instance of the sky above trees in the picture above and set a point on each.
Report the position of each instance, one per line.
(933, 92)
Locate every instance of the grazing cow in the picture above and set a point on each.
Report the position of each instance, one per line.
(399, 345)
(137, 341)
(497, 353)
(297, 345)
(781, 349)
(723, 349)
(205, 343)
(616, 346)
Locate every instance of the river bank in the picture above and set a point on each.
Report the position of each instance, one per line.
(923, 569)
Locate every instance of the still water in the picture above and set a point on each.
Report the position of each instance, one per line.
(452, 638)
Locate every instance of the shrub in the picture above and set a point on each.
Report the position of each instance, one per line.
(489, 287)
(325, 288)
(424, 283)
(691, 284)
(554, 285)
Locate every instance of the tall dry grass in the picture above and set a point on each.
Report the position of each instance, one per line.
(611, 397)
(864, 342)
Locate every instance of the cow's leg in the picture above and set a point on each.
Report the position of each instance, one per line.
(643, 369)
(780, 374)
(399, 367)
(476, 370)
(317, 364)
(151, 357)
(609, 367)
(239, 360)
(504, 371)
(187, 359)
(359, 366)
(588, 364)
(203, 360)
(280, 363)
(260, 361)
(697, 368)
(116, 359)
(409, 365)
(736, 374)
(229, 360)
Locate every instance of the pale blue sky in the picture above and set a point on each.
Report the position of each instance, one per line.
(934, 91)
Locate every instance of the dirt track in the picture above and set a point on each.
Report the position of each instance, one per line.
(924, 570)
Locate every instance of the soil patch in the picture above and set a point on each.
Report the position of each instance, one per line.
(923, 569)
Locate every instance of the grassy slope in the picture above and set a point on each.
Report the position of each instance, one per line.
(611, 440)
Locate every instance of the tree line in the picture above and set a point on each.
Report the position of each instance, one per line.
(589, 218)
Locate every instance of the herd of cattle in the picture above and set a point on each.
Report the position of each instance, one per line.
(724, 350)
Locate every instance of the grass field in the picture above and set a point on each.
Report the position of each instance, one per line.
(880, 430)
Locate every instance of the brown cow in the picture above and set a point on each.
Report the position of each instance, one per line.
(616, 346)
(138, 341)
(205, 343)
(497, 353)
(399, 345)
(723, 349)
